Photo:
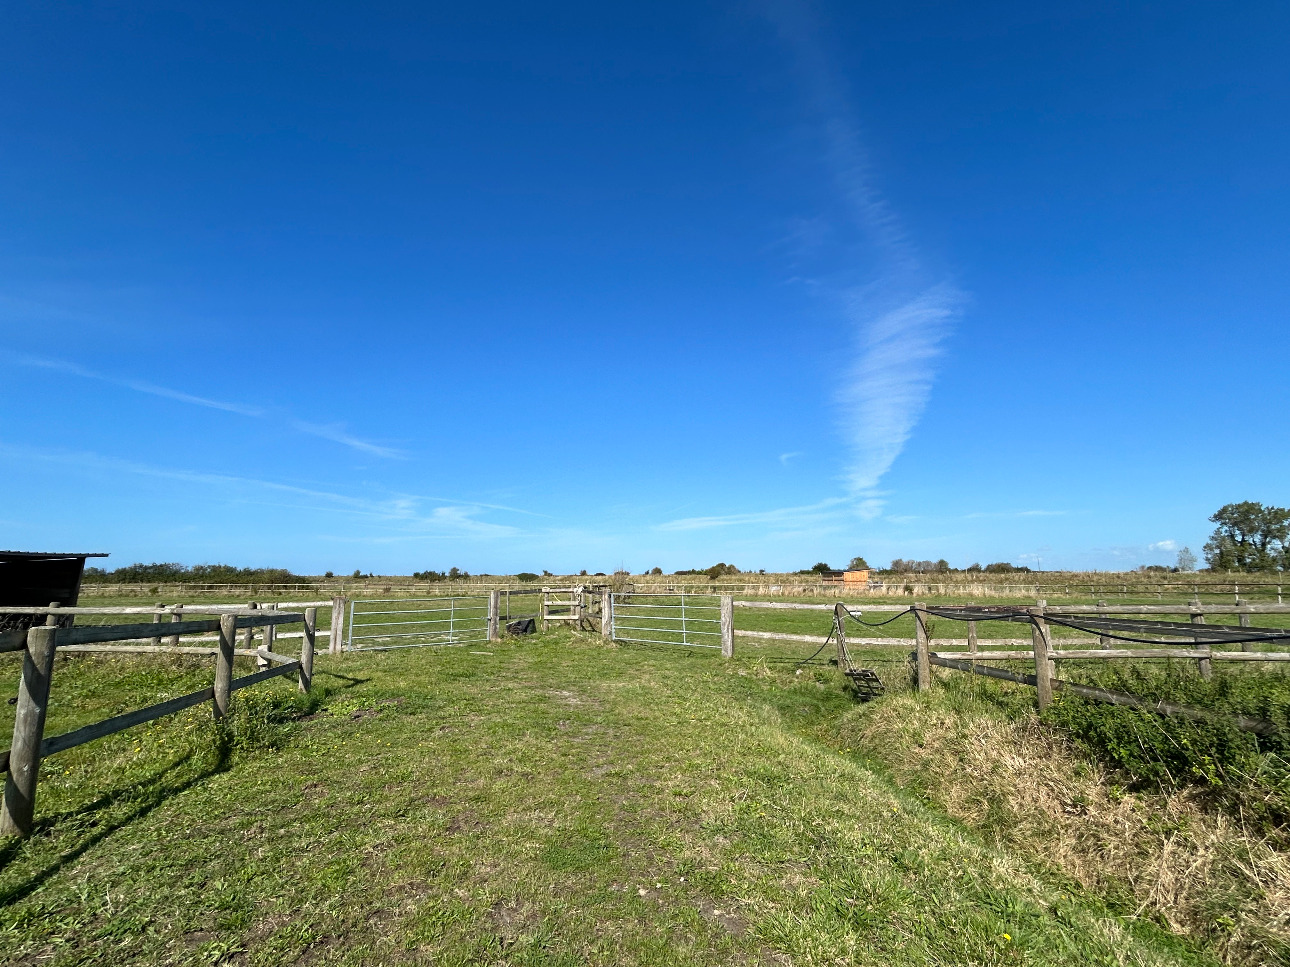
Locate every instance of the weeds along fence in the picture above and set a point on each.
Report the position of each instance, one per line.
(41, 643)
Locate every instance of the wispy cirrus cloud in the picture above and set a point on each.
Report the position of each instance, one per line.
(335, 432)
(899, 313)
(139, 386)
(450, 518)
(795, 516)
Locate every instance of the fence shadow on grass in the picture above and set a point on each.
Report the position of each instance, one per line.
(145, 795)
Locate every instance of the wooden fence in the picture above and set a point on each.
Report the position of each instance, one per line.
(1045, 655)
(40, 644)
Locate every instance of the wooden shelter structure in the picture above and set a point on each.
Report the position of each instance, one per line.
(34, 579)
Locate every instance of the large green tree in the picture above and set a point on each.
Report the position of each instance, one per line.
(1249, 537)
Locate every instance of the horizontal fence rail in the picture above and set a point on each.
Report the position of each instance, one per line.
(21, 762)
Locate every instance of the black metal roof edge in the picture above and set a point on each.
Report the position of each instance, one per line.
(53, 554)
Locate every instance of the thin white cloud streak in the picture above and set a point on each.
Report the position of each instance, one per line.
(810, 513)
(784, 458)
(889, 385)
(453, 519)
(901, 318)
(72, 369)
(335, 432)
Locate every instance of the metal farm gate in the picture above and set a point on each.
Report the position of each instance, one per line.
(377, 624)
(693, 620)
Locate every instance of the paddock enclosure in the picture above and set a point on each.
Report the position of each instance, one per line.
(867, 642)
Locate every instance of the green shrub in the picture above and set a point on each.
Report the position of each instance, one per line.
(1243, 769)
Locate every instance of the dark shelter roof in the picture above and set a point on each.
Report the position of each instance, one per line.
(33, 579)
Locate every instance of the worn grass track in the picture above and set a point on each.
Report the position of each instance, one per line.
(558, 801)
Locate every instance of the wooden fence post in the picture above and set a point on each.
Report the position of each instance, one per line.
(1244, 621)
(727, 626)
(922, 648)
(607, 614)
(156, 620)
(224, 663)
(28, 732)
(248, 640)
(840, 633)
(494, 615)
(1204, 664)
(1102, 640)
(269, 639)
(176, 614)
(545, 608)
(336, 641)
(1044, 670)
(971, 635)
(307, 649)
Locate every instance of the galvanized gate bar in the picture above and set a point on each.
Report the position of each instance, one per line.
(437, 621)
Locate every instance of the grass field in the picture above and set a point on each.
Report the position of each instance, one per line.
(555, 801)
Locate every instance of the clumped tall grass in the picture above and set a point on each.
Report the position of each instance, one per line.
(1149, 830)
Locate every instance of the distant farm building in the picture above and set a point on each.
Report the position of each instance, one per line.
(856, 579)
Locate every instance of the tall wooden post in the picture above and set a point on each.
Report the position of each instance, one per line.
(176, 615)
(1102, 640)
(1206, 667)
(260, 663)
(224, 663)
(156, 620)
(1244, 621)
(248, 636)
(971, 635)
(840, 634)
(307, 649)
(607, 614)
(270, 635)
(1044, 670)
(727, 626)
(922, 648)
(19, 806)
(335, 641)
(494, 615)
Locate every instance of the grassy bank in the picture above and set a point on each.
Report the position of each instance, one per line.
(552, 801)
(1184, 854)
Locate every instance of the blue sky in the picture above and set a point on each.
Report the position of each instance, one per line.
(505, 287)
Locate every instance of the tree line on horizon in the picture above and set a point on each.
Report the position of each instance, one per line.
(1250, 537)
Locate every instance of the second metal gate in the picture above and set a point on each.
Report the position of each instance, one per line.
(693, 620)
(383, 623)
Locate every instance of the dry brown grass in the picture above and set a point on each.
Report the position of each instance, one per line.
(1167, 857)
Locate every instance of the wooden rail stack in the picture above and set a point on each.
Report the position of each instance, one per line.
(40, 644)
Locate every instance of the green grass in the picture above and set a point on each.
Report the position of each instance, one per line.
(558, 801)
